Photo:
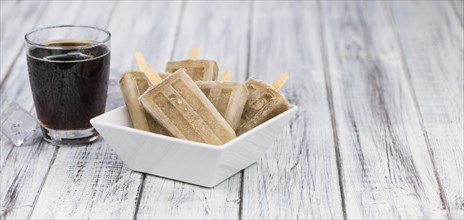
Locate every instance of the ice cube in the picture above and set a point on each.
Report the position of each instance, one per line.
(17, 124)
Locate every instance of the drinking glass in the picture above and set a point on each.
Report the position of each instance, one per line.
(68, 69)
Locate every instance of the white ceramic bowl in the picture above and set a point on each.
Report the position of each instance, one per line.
(188, 161)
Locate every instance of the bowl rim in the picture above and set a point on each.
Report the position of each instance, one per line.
(291, 109)
(100, 121)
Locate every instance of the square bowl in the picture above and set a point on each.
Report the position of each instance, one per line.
(187, 161)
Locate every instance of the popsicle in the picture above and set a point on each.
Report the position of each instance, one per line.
(133, 84)
(229, 98)
(204, 70)
(264, 102)
(179, 106)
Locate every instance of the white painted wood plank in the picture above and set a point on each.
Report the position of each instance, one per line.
(219, 29)
(6, 8)
(88, 182)
(386, 168)
(433, 44)
(11, 31)
(153, 36)
(151, 31)
(5, 149)
(104, 187)
(297, 178)
(459, 7)
(17, 87)
(168, 199)
(25, 177)
(22, 177)
(20, 18)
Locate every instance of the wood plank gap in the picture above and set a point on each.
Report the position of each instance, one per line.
(384, 158)
(176, 33)
(164, 198)
(10, 68)
(297, 176)
(456, 10)
(110, 17)
(31, 109)
(416, 106)
(12, 195)
(52, 161)
(240, 205)
(436, 76)
(6, 158)
(249, 35)
(328, 87)
(52, 164)
(139, 195)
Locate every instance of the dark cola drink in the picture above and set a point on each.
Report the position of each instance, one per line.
(68, 86)
(68, 73)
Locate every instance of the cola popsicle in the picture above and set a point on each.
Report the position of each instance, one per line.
(229, 98)
(264, 102)
(181, 107)
(133, 84)
(204, 70)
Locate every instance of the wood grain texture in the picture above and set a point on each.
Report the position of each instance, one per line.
(9, 53)
(432, 40)
(6, 10)
(17, 18)
(146, 27)
(25, 167)
(97, 184)
(136, 28)
(219, 29)
(459, 7)
(386, 168)
(5, 149)
(298, 177)
(88, 182)
(22, 177)
(16, 87)
(393, 102)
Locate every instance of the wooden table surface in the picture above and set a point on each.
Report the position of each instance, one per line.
(379, 133)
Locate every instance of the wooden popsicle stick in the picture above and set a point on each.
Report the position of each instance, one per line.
(140, 60)
(194, 53)
(150, 73)
(225, 75)
(280, 81)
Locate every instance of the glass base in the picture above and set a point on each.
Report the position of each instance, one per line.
(69, 137)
